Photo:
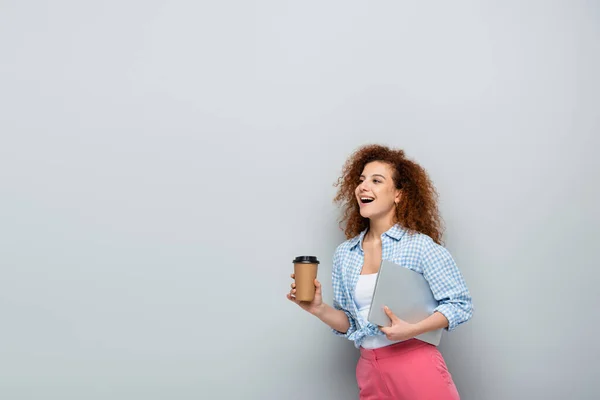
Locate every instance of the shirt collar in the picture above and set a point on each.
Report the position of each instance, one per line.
(395, 232)
(357, 239)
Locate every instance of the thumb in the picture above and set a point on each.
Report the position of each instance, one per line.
(390, 314)
(318, 286)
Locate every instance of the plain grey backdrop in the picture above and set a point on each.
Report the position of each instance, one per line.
(162, 162)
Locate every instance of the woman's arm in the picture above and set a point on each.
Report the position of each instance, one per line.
(435, 321)
(447, 284)
(402, 330)
(336, 319)
(449, 289)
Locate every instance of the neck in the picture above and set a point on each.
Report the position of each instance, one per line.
(379, 226)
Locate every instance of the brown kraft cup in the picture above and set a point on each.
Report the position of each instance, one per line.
(305, 273)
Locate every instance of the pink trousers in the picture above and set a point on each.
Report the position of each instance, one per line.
(409, 370)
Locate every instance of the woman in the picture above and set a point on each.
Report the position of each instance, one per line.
(391, 214)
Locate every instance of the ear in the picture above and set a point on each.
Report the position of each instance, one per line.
(398, 196)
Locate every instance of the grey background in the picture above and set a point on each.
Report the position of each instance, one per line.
(162, 162)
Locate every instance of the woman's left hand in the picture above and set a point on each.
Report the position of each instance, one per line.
(400, 330)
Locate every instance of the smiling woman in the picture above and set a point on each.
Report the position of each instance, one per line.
(374, 165)
(390, 211)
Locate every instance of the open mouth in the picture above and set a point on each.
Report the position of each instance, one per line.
(366, 200)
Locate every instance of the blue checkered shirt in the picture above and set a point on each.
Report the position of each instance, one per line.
(415, 251)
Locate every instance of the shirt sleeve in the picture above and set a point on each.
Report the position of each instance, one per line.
(447, 284)
(339, 299)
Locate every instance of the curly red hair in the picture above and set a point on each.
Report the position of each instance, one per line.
(417, 210)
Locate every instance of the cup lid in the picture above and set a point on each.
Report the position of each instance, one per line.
(306, 260)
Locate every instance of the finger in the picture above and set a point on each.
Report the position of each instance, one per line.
(293, 276)
(318, 286)
(292, 298)
(387, 331)
(293, 285)
(389, 313)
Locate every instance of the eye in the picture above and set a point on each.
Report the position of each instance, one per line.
(376, 181)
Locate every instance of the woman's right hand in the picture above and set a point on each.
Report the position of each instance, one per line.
(312, 307)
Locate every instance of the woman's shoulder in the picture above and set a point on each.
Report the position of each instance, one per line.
(417, 239)
(344, 248)
(421, 242)
(423, 247)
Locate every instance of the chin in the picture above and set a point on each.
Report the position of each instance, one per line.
(373, 215)
(366, 214)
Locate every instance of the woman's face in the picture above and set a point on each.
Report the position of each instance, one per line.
(376, 192)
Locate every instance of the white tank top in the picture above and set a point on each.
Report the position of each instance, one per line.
(363, 295)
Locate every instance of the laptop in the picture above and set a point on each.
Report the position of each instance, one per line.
(407, 294)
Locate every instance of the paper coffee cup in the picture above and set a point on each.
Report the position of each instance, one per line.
(305, 272)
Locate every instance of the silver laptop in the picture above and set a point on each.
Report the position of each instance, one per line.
(407, 294)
